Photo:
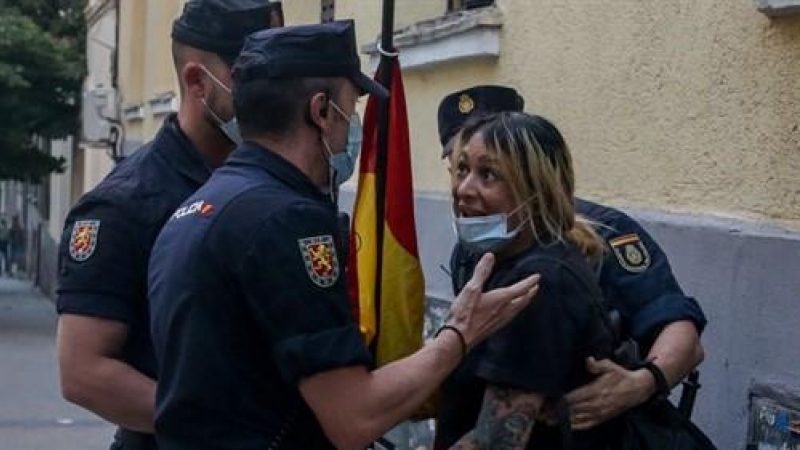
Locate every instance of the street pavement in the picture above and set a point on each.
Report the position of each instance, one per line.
(33, 415)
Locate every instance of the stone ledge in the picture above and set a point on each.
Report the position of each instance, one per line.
(462, 35)
(133, 113)
(778, 7)
(165, 103)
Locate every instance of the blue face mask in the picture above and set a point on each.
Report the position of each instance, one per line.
(230, 128)
(343, 164)
(483, 234)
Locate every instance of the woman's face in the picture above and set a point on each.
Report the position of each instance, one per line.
(477, 185)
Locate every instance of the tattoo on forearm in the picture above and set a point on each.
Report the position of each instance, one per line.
(505, 421)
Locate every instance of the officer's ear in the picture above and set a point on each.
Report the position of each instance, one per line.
(194, 81)
(317, 112)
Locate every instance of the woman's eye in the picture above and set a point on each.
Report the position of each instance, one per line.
(489, 175)
(462, 170)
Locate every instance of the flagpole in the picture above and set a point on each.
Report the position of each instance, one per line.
(384, 76)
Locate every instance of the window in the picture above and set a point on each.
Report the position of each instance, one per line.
(459, 5)
(468, 33)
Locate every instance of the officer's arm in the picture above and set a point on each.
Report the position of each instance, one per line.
(102, 266)
(662, 316)
(677, 351)
(93, 377)
(355, 406)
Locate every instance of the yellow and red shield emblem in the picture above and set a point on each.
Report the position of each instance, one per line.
(83, 241)
(319, 255)
(631, 253)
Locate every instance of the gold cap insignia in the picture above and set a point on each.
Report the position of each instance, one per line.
(465, 104)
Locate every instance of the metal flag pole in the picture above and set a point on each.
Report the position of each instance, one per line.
(384, 77)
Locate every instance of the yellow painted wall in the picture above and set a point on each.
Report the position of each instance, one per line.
(146, 68)
(159, 71)
(94, 162)
(683, 105)
(132, 32)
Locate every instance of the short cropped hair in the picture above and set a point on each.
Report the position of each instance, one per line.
(276, 106)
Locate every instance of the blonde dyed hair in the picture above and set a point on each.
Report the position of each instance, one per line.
(536, 164)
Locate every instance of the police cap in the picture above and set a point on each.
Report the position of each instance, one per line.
(220, 26)
(324, 50)
(460, 106)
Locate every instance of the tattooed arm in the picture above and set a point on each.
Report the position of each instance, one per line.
(505, 421)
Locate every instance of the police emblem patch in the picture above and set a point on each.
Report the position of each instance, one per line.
(631, 253)
(465, 104)
(83, 240)
(319, 254)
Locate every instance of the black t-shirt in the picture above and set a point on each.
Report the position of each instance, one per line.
(108, 235)
(248, 298)
(543, 350)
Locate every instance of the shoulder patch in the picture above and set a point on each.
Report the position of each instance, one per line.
(83, 241)
(631, 253)
(319, 254)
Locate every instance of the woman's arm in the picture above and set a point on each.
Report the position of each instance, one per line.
(505, 421)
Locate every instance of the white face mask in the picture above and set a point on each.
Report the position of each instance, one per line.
(230, 128)
(483, 234)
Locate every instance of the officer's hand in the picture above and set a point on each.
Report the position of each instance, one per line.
(614, 391)
(477, 315)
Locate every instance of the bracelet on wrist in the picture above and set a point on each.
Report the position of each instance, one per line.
(662, 388)
(458, 333)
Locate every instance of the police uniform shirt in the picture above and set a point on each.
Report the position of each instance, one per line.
(248, 298)
(541, 351)
(635, 276)
(109, 233)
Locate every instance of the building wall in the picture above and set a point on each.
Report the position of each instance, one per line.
(681, 106)
(684, 113)
(94, 161)
(60, 190)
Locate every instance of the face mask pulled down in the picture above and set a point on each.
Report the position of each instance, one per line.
(484, 234)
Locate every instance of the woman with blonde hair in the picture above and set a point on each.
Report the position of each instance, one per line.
(513, 193)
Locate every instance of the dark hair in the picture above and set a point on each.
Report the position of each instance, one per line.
(277, 105)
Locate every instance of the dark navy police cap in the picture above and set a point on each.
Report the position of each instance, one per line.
(221, 26)
(460, 106)
(324, 50)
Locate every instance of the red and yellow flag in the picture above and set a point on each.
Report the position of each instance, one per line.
(391, 324)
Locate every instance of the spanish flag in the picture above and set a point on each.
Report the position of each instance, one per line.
(385, 279)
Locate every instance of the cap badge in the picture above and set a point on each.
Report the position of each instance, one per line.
(319, 255)
(83, 240)
(465, 104)
(631, 253)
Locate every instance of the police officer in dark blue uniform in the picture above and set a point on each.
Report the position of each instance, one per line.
(105, 353)
(250, 317)
(635, 278)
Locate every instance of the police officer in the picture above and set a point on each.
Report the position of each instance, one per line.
(635, 277)
(106, 359)
(250, 315)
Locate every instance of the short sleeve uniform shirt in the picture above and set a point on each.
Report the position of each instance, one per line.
(109, 233)
(248, 298)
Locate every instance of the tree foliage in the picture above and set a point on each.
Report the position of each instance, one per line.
(42, 67)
